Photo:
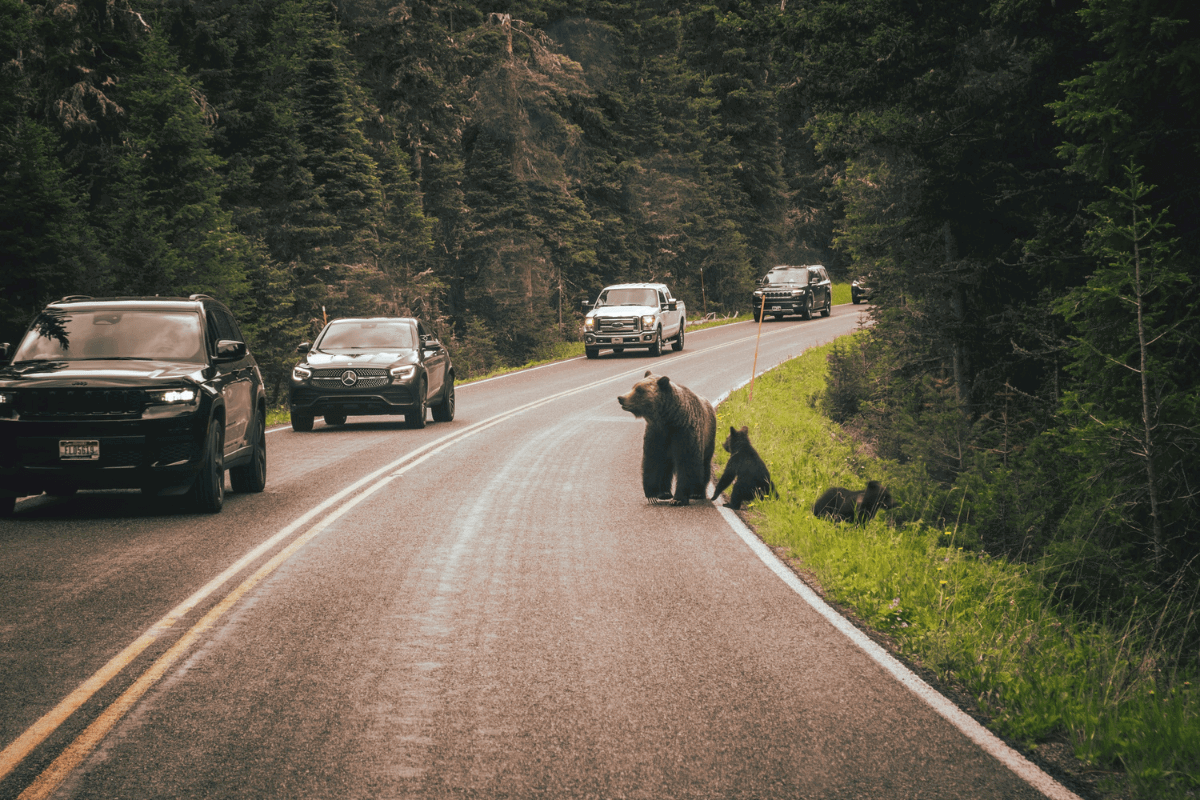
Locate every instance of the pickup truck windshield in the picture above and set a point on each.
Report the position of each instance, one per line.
(140, 334)
(628, 297)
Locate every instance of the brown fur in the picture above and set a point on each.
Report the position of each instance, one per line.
(681, 430)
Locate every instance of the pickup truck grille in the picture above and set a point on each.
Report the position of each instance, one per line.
(618, 324)
(338, 379)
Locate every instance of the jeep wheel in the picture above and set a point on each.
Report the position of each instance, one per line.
(825, 312)
(656, 347)
(335, 419)
(444, 411)
(208, 490)
(677, 345)
(302, 422)
(252, 476)
(591, 352)
(757, 315)
(808, 309)
(416, 417)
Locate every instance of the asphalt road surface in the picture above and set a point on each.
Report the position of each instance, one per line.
(483, 608)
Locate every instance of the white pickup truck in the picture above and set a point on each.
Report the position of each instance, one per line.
(634, 315)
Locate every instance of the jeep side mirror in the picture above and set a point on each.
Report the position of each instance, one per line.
(229, 350)
(303, 347)
(4, 351)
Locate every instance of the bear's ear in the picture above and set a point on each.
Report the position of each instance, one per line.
(732, 430)
(746, 430)
(664, 383)
(647, 375)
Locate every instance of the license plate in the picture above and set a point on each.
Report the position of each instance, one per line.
(776, 308)
(79, 449)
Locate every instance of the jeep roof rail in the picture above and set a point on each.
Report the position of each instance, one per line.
(71, 298)
(201, 296)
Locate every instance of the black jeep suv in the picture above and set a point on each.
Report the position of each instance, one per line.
(793, 290)
(153, 393)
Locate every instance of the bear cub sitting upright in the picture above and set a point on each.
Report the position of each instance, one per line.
(745, 470)
(681, 433)
(844, 505)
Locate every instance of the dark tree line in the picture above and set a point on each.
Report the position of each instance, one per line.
(1017, 176)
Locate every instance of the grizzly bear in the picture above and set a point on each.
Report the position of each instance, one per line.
(681, 433)
(745, 470)
(844, 505)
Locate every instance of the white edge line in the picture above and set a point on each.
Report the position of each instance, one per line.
(1025, 769)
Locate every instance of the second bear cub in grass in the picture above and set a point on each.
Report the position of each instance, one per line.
(841, 504)
(746, 471)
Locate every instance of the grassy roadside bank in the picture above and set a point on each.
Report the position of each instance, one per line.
(982, 625)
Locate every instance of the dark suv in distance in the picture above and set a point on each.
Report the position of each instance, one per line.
(794, 290)
(155, 393)
(370, 366)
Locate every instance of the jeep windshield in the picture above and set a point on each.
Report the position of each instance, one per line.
(628, 297)
(108, 334)
(797, 276)
(357, 335)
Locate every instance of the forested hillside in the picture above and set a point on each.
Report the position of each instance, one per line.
(1018, 177)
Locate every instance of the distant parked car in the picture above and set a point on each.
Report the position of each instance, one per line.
(860, 289)
(793, 290)
(371, 366)
(156, 393)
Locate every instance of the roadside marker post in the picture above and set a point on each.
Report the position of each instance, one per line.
(754, 366)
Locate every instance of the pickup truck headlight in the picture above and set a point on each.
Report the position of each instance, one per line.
(301, 373)
(402, 373)
(589, 323)
(648, 322)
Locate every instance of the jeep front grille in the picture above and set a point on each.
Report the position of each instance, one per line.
(80, 403)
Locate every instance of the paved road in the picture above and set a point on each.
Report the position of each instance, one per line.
(485, 608)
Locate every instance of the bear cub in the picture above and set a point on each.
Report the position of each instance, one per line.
(681, 433)
(745, 470)
(843, 505)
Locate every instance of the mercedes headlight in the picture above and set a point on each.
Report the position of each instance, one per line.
(301, 373)
(402, 373)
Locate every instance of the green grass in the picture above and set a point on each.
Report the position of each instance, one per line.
(982, 623)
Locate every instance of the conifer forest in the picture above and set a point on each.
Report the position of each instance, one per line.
(1019, 179)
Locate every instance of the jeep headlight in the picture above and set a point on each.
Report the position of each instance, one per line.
(402, 373)
(648, 322)
(797, 292)
(173, 397)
